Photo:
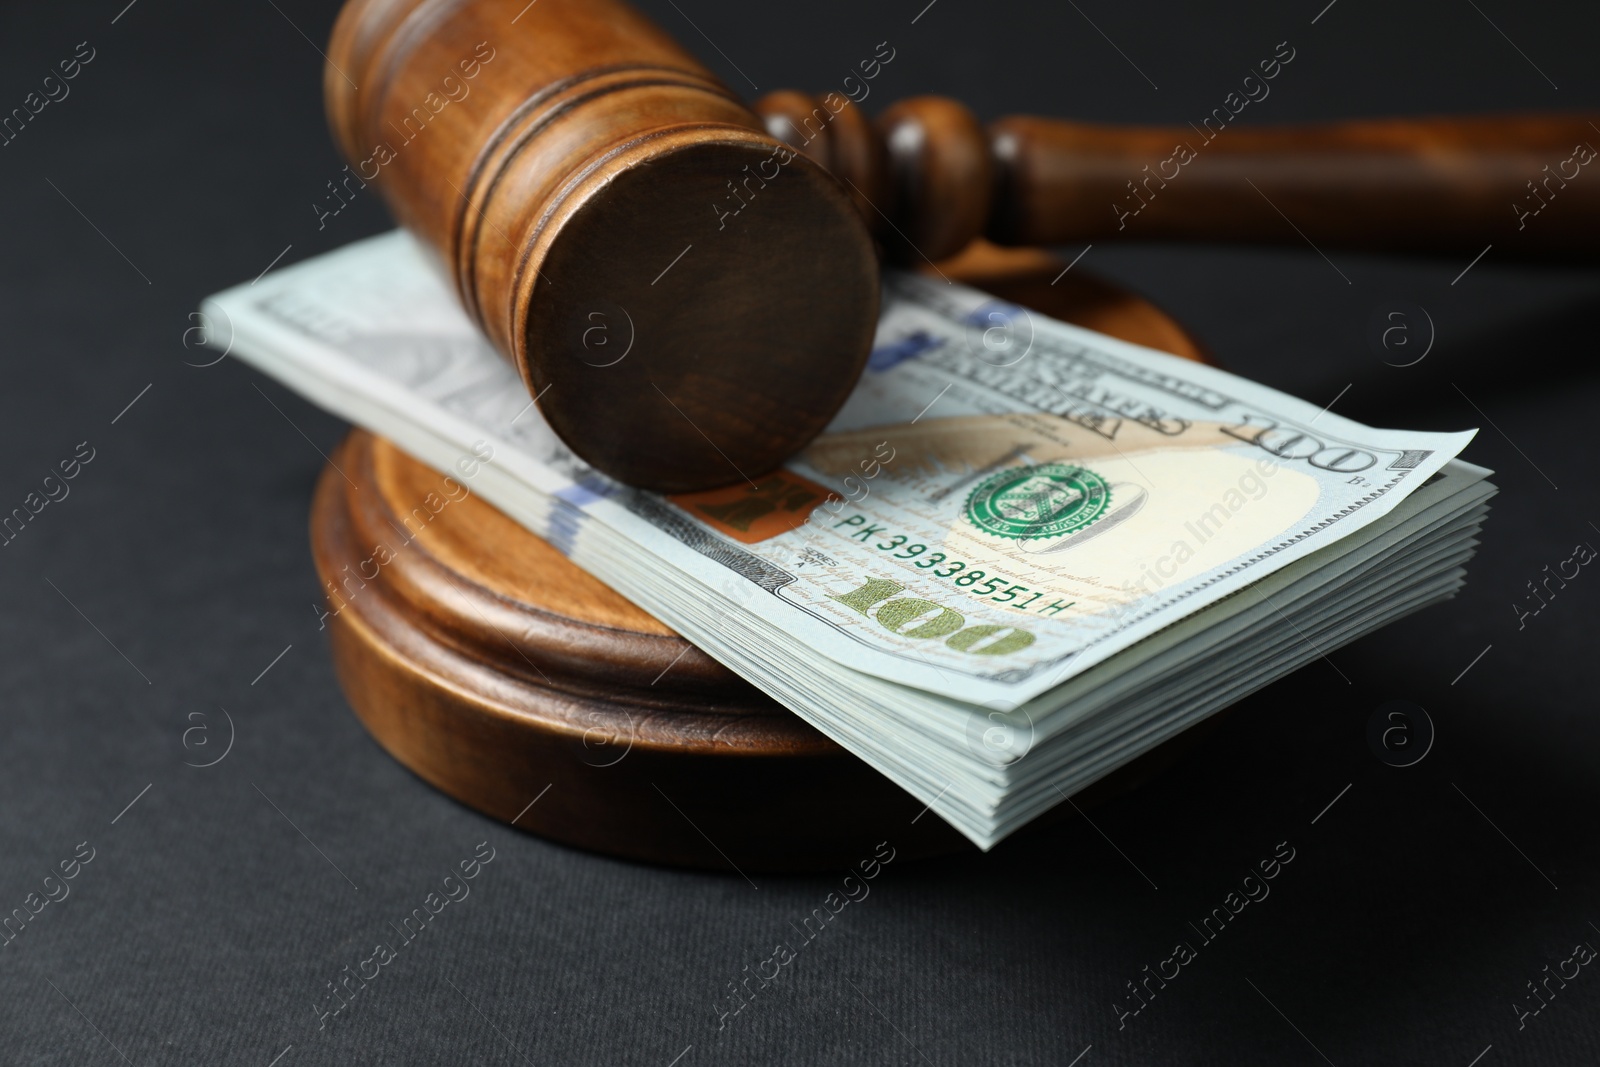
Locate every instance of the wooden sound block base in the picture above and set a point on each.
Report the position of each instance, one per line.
(501, 673)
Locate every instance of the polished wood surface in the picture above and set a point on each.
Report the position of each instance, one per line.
(929, 179)
(1426, 185)
(482, 659)
(689, 299)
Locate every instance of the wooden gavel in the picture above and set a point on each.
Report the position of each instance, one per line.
(690, 287)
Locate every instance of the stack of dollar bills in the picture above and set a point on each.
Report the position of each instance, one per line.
(1021, 555)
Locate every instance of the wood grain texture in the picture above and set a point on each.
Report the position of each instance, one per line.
(590, 189)
(933, 179)
(482, 659)
(1430, 185)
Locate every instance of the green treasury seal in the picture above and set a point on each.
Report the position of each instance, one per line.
(1038, 500)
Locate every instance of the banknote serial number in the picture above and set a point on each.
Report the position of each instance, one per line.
(970, 580)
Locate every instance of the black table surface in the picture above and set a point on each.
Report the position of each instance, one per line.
(171, 594)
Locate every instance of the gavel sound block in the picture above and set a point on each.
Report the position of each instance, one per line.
(572, 167)
(491, 666)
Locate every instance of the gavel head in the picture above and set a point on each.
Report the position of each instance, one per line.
(689, 299)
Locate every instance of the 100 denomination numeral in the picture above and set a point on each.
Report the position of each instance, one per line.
(1287, 443)
(914, 617)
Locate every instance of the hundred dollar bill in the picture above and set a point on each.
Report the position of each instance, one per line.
(1004, 501)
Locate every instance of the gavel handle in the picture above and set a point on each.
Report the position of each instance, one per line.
(1393, 185)
(937, 179)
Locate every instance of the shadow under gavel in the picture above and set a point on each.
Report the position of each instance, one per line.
(689, 287)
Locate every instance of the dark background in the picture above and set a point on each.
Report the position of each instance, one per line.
(189, 155)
